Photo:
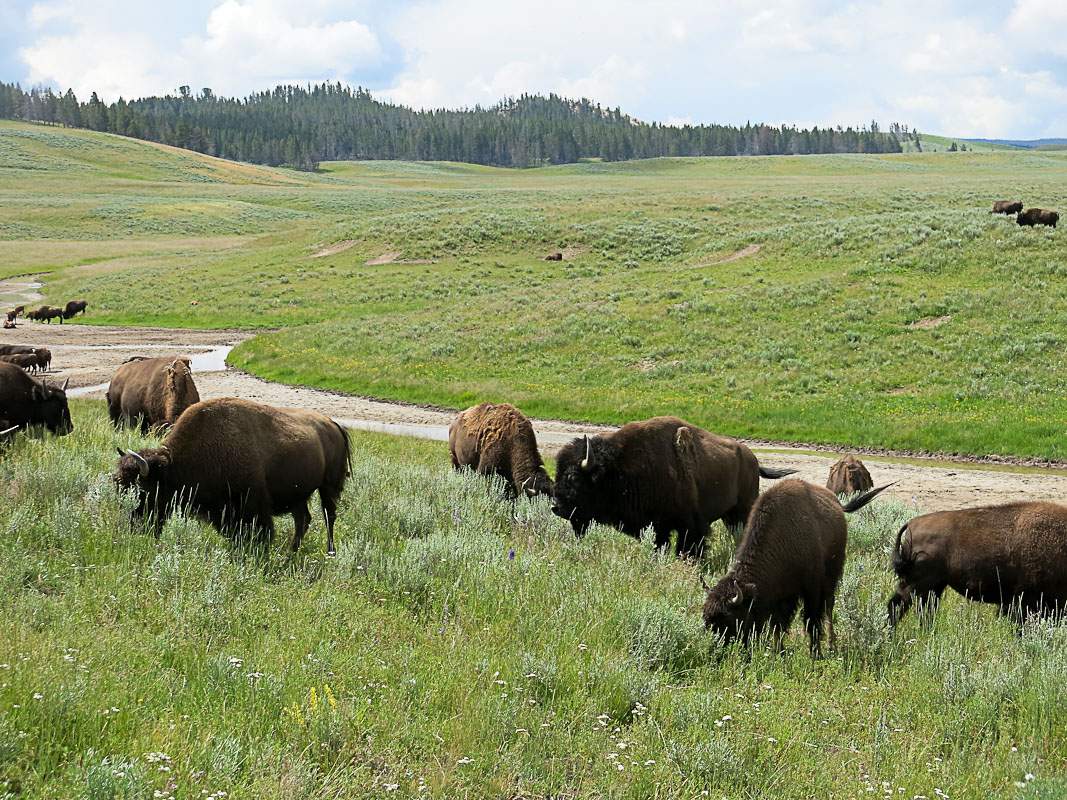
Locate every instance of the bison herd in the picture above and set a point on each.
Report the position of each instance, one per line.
(46, 313)
(1030, 217)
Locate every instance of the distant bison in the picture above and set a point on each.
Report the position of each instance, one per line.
(9, 325)
(498, 439)
(12, 349)
(661, 472)
(848, 476)
(27, 361)
(25, 402)
(554, 257)
(1014, 556)
(1037, 216)
(151, 392)
(74, 307)
(44, 357)
(12, 315)
(793, 550)
(48, 313)
(1006, 207)
(239, 464)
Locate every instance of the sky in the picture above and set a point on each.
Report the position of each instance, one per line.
(960, 69)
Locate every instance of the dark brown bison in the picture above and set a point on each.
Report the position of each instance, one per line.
(661, 472)
(26, 402)
(48, 313)
(554, 257)
(30, 315)
(793, 550)
(1006, 207)
(1037, 216)
(74, 307)
(12, 315)
(151, 392)
(848, 476)
(26, 361)
(44, 357)
(498, 439)
(12, 349)
(238, 464)
(1014, 556)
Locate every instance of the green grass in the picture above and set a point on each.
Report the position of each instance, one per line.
(813, 338)
(423, 659)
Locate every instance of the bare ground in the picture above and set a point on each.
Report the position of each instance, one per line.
(88, 355)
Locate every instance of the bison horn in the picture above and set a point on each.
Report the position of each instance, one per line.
(587, 462)
(9, 430)
(737, 598)
(142, 464)
(63, 388)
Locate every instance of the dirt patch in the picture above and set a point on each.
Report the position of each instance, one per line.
(930, 322)
(335, 248)
(88, 355)
(20, 292)
(573, 252)
(742, 253)
(388, 257)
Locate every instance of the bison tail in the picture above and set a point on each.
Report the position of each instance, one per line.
(348, 447)
(864, 499)
(769, 472)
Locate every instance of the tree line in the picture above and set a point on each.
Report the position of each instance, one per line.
(300, 127)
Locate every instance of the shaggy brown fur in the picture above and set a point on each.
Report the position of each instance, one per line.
(74, 307)
(1014, 556)
(25, 401)
(151, 392)
(661, 472)
(239, 464)
(47, 314)
(1006, 207)
(498, 439)
(44, 357)
(12, 349)
(1037, 216)
(554, 257)
(793, 550)
(849, 476)
(27, 361)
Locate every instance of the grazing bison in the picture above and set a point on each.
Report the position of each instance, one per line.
(26, 361)
(498, 439)
(554, 257)
(661, 472)
(74, 307)
(151, 392)
(47, 314)
(44, 357)
(25, 401)
(1014, 556)
(1037, 216)
(239, 463)
(12, 315)
(848, 476)
(1006, 207)
(793, 550)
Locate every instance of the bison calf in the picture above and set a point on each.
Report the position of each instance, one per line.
(848, 476)
(498, 439)
(661, 472)
(1038, 216)
(239, 464)
(1006, 207)
(793, 550)
(1014, 556)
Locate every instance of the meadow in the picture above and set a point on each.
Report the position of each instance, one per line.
(461, 646)
(884, 307)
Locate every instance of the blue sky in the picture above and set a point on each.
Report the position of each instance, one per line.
(955, 68)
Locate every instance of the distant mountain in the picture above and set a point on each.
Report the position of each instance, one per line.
(1028, 143)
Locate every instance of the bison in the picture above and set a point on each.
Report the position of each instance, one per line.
(44, 357)
(26, 361)
(9, 325)
(554, 257)
(25, 401)
(793, 550)
(1037, 216)
(848, 476)
(498, 439)
(48, 313)
(74, 307)
(661, 472)
(1006, 207)
(151, 392)
(1013, 555)
(12, 315)
(12, 349)
(238, 464)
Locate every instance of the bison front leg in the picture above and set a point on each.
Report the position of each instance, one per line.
(301, 523)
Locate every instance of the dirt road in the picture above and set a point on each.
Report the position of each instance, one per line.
(89, 354)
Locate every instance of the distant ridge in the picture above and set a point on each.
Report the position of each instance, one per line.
(1028, 143)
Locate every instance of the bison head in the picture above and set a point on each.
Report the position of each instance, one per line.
(585, 482)
(145, 471)
(728, 609)
(50, 408)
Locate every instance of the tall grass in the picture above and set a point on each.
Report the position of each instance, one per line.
(459, 645)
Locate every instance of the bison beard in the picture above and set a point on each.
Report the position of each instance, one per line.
(663, 473)
(793, 551)
(238, 464)
(1013, 556)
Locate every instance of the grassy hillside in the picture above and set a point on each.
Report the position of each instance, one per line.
(459, 646)
(883, 306)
